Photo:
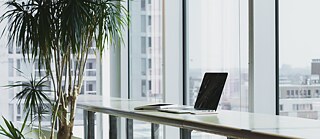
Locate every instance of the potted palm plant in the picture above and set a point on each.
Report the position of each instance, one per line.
(59, 34)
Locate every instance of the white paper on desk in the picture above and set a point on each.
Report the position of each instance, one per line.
(155, 106)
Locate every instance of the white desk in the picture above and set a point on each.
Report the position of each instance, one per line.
(228, 123)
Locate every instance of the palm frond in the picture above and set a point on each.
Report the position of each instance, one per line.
(11, 131)
(33, 96)
(112, 18)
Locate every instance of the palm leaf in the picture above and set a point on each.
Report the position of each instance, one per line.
(12, 132)
(33, 96)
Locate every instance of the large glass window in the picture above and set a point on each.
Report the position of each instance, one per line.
(217, 35)
(299, 59)
(145, 57)
(146, 61)
(217, 42)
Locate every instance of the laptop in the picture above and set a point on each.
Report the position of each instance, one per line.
(208, 97)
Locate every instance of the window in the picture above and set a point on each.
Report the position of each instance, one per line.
(142, 34)
(143, 66)
(295, 107)
(91, 67)
(216, 42)
(143, 45)
(150, 85)
(149, 20)
(18, 109)
(149, 42)
(143, 24)
(149, 63)
(10, 50)
(91, 87)
(299, 61)
(143, 88)
(304, 93)
(91, 64)
(18, 72)
(143, 5)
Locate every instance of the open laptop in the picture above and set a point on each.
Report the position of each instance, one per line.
(208, 97)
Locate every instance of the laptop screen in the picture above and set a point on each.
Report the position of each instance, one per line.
(210, 91)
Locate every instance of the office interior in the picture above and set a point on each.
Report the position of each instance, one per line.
(269, 48)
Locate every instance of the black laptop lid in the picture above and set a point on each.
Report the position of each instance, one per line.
(210, 91)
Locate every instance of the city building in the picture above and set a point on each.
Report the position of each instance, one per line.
(146, 50)
(300, 101)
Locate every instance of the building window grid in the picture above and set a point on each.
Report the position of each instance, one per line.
(301, 107)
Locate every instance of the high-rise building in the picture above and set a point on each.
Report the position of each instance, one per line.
(315, 67)
(146, 50)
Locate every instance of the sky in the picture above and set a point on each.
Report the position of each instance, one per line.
(299, 32)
